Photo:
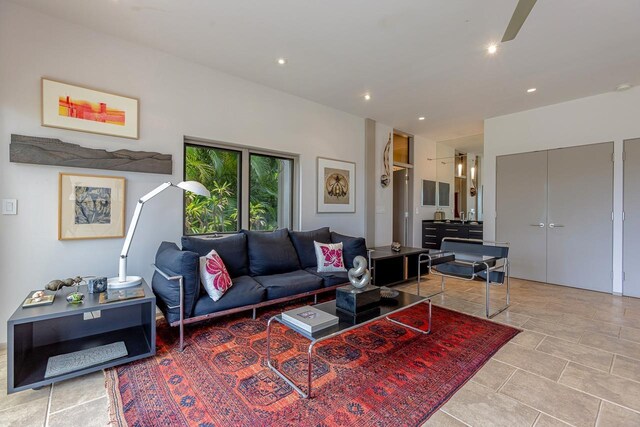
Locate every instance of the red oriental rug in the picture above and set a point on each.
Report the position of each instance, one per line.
(378, 375)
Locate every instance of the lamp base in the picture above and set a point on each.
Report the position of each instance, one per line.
(115, 283)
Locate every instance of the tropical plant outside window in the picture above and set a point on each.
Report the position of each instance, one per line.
(269, 200)
(270, 195)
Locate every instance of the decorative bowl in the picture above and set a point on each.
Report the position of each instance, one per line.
(75, 298)
(388, 293)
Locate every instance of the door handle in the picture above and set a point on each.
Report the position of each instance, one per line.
(541, 225)
(552, 225)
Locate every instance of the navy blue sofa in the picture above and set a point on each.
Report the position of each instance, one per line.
(265, 267)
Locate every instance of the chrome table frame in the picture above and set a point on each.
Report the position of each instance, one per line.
(314, 341)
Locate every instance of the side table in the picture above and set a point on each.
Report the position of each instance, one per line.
(389, 267)
(37, 333)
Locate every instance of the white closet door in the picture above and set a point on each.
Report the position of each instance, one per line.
(631, 285)
(580, 228)
(521, 212)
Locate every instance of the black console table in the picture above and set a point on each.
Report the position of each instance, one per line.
(37, 333)
(389, 267)
(434, 231)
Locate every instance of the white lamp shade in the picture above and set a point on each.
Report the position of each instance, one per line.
(194, 187)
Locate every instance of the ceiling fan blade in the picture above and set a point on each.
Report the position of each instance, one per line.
(519, 16)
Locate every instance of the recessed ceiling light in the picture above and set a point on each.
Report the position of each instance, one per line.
(493, 48)
(367, 96)
(420, 118)
(623, 86)
(531, 90)
(282, 61)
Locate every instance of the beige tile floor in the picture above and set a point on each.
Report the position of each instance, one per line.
(576, 363)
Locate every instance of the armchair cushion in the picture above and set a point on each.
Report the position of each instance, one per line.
(351, 247)
(270, 252)
(174, 262)
(303, 243)
(232, 249)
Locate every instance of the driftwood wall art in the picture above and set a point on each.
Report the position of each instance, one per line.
(49, 151)
(385, 179)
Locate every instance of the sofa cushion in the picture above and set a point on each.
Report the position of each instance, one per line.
(329, 257)
(351, 247)
(330, 279)
(270, 252)
(303, 242)
(232, 249)
(287, 284)
(214, 276)
(174, 262)
(245, 291)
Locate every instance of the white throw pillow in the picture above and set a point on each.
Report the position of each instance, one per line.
(329, 257)
(214, 275)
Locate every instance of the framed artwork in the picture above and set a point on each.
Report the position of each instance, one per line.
(336, 186)
(79, 108)
(428, 193)
(90, 206)
(443, 193)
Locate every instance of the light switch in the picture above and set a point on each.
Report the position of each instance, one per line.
(9, 206)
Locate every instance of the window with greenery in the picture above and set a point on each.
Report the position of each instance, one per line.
(270, 185)
(248, 189)
(218, 170)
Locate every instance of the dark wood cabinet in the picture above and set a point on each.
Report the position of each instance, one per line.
(389, 267)
(434, 232)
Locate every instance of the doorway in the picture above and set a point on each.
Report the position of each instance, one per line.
(402, 188)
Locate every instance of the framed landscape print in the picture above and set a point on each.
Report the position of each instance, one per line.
(90, 206)
(79, 108)
(336, 186)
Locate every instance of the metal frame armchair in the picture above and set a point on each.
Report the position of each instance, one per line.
(470, 259)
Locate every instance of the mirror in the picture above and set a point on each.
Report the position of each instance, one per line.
(458, 187)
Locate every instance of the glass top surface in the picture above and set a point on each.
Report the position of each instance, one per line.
(349, 321)
(472, 257)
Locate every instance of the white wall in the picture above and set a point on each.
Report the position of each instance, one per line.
(601, 118)
(423, 149)
(384, 196)
(177, 98)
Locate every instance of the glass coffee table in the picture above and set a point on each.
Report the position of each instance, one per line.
(347, 322)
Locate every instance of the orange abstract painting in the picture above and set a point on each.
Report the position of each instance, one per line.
(93, 111)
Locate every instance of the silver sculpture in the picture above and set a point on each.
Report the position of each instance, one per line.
(359, 276)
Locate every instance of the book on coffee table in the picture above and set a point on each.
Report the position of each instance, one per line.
(309, 319)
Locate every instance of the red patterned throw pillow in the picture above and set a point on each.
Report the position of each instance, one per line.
(329, 257)
(214, 275)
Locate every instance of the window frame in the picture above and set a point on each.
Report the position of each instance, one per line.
(244, 180)
(291, 183)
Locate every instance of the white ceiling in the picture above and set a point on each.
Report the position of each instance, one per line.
(467, 144)
(415, 57)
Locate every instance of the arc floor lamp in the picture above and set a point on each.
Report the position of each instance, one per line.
(124, 281)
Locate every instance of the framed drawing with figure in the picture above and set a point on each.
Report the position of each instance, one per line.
(90, 206)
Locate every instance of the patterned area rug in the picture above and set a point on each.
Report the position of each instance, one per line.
(378, 375)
